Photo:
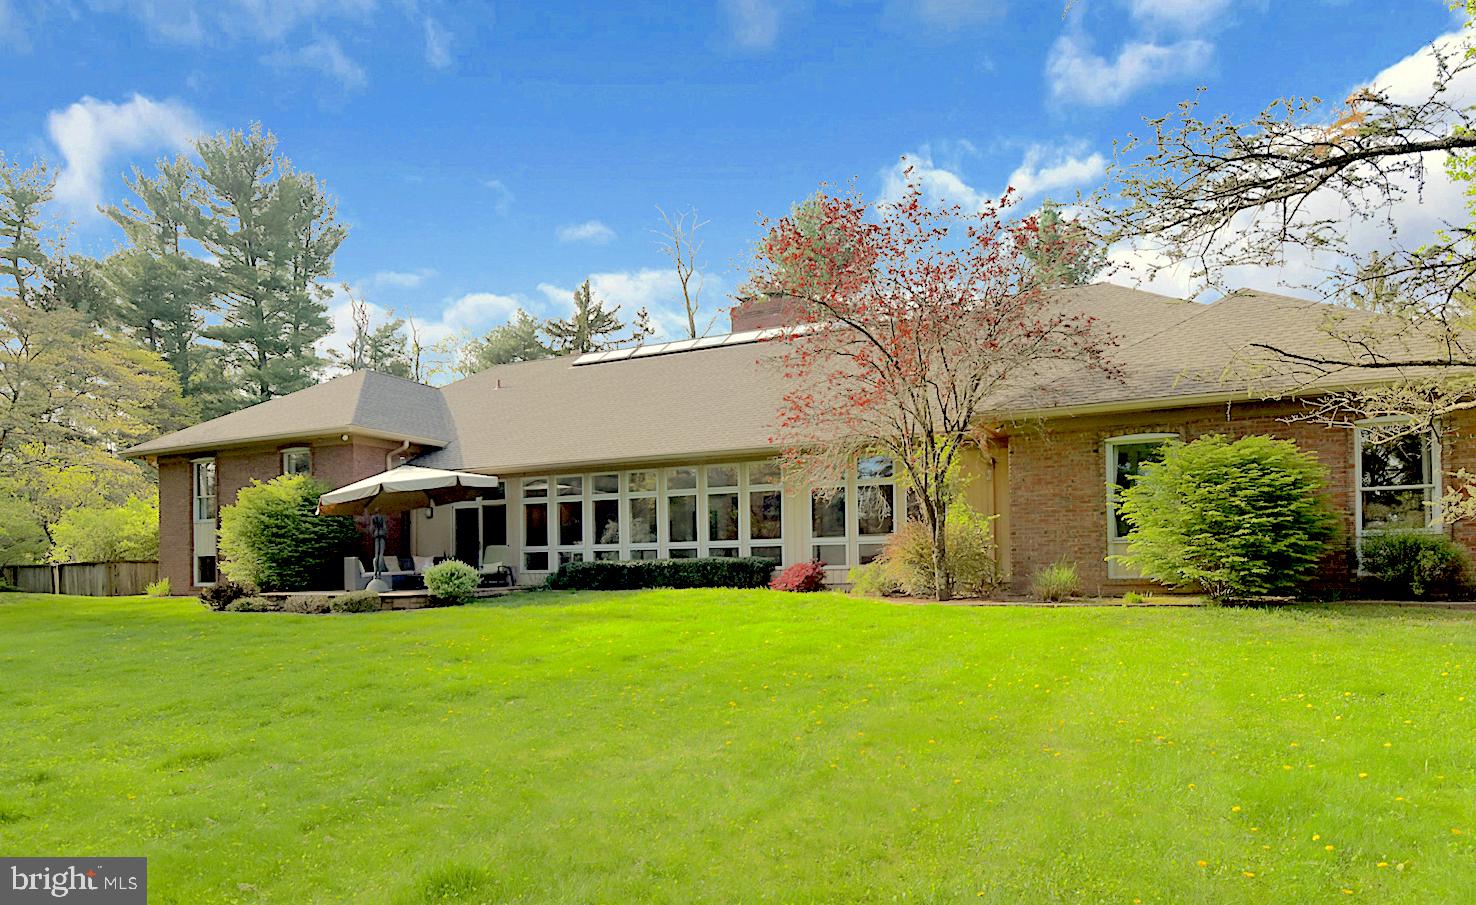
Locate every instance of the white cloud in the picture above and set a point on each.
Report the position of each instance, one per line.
(1042, 170)
(478, 312)
(1045, 170)
(12, 30)
(398, 279)
(501, 193)
(90, 133)
(1188, 15)
(199, 21)
(437, 44)
(591, 231)
(1078, 74)
(1424, 208)
(754, 23)
(324, 55)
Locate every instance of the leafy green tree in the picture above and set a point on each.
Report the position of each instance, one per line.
(70, 393)
(271, 538)
(273, 232)
(108, 533)
(593, 327)
(517, 340)
(1061, 252)
(1233, 519)
(23, 539)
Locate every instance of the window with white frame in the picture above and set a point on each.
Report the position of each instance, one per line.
(535, 524)
(828, 526)
(1126, 457)
(1398, 481)
(723, 528)
(876, 499)
(204, 470)
(763, 518)
(641, 521)
(297, 460)
(681, 512)
(569, 517)
(604, 510)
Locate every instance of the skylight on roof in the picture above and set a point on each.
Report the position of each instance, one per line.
(675, 346)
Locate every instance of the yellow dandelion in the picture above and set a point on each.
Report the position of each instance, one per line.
(1235, 809)
(1247, 873)
(1316, 836)
(1328, 847)
(1347, 891)
(1363, 776)
(1382, 864)
(1202, 863)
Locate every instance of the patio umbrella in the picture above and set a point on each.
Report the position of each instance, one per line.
(405, 488)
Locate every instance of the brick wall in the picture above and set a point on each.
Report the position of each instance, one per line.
(1058, 480)
(175, 524)
(335, 462)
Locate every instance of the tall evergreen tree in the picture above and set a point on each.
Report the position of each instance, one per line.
(273, 232)
(1061, 252)
(163, 291)
(593, 327)
(516, 340)
(22, 195)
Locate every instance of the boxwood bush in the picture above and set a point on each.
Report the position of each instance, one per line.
(711, 572)
(452, 581)
(271, 538)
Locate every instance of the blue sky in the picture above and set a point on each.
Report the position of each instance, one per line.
(492, 155)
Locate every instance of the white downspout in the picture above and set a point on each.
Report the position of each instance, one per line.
(389, 457)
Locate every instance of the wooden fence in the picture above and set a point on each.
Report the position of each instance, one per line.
(90, 579)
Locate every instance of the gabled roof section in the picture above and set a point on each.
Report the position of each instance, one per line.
(363, 403)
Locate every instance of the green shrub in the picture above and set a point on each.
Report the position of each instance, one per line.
(1133, 598)
(355, 602)
(222, 594)
(254, 605)
(311, 604)
(6, 587)
(158, 588)
(1231, 519)
(1412, 564)
(906, 565)
(710, 572)
(271, 538)
(452, 581)
(1056, 581)
(107, 533)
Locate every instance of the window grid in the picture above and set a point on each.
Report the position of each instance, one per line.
(1429, 488)
(646, 495)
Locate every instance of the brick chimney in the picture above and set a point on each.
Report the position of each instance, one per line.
(760, 312)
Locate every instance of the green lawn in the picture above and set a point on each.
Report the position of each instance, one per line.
(726, 746)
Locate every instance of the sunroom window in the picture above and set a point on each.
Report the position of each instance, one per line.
(1397, 482)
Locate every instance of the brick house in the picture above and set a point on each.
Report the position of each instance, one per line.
(663, 450)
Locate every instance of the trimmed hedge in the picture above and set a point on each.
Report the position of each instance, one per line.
(712, 572)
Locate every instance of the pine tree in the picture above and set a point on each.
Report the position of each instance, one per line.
(1062, 252)
(163, 291)
(22, 195)
(593, 327)
(273, 233)
(516, 340)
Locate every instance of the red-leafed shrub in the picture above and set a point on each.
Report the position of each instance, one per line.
(802, 576)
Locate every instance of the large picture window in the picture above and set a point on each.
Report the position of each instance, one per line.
(1398, 482)
(1126, 457)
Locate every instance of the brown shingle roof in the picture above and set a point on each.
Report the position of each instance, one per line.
(718, 401)
(363, 402)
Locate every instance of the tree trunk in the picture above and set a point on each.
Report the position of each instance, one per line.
(942, 579)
